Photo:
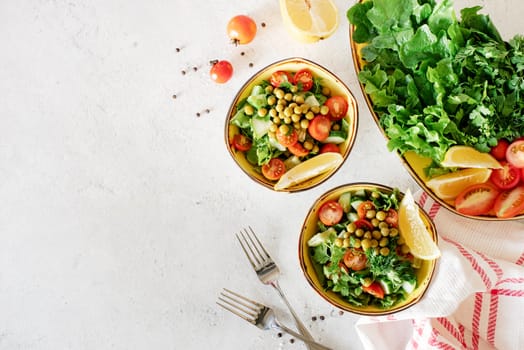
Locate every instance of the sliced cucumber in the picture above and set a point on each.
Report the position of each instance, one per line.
(260, 126)
(345, 201)
(336, 136)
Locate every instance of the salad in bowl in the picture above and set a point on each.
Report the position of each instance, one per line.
(291, 125)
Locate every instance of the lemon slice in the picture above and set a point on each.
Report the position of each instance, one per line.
(309, 169)
(309, 20)
(414, 231)
(469, 157)
(449, 185)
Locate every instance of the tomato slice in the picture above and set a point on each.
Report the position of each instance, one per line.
(476, 199)
(288, 139)
(241, 142)
(392, 217)
(280, 77)
(499, 151)
(363, 224)
(274, 169)
(338, 107)
(319, 127)
(329, 147)
(510, 203)
(355, 259)
(374, 289)
(363, 208)
(515, 153)
(298, 150)
(303, 79)
(330, 213)
(507, 177)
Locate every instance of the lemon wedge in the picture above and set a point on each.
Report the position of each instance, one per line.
(469, 157)
(414, 231)
(309, 20)
(309, 169)
(448, 186)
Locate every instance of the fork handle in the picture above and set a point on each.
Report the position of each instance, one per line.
(310, 342)
(301, 328)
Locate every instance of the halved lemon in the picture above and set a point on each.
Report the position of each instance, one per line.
(414, 231)
(469, 157)
(309, 20)
(448, 186)
(309, 169)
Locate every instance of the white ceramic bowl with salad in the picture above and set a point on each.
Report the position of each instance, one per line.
(291, 125)
(354, 256)
(435, 101)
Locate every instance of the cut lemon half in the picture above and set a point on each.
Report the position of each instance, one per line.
(449, 185)
(309, 20)
(414, 231)
(309, 169)
(469, 157)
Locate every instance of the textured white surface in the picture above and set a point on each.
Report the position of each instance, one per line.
(120, 205)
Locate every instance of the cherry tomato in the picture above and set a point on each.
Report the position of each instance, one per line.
(499, 151)
(330, 213)
(221, 71)
(280, 77)
(241, 142)
(288, 139)
(510, 203)
(329, 147)
(355, 259)
(319, 127)
(515, 153)
(303, 79)
(374, 289)
(476, 199)
(338, 107)
(392, 217)
(363, 224)
(274, 169)
(507, 177)
(241, 29)
(363, 208)
(298, 150)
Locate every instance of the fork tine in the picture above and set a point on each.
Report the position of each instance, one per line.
(243, 244)
(253, 248)
(240, 306)
(253, 234)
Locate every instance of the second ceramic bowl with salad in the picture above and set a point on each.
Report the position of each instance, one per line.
(355, 252)
(292, 125)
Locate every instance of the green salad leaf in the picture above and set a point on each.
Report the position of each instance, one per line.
(436, 81)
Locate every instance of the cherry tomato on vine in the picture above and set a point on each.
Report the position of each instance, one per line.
(241, 29)
(221, 71)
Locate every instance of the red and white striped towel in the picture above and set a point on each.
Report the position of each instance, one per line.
(476, 298)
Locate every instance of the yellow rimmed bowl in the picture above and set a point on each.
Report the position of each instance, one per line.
(313, 271)
(329, 80)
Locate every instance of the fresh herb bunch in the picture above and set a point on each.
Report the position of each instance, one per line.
(436, 81)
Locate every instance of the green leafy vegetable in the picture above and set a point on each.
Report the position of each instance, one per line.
(435, 81)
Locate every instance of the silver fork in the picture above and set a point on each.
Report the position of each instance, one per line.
(258, 314)
(267, 271)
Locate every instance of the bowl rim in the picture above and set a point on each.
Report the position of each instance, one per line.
(351, 135)
(354, 309)
(357, 64)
